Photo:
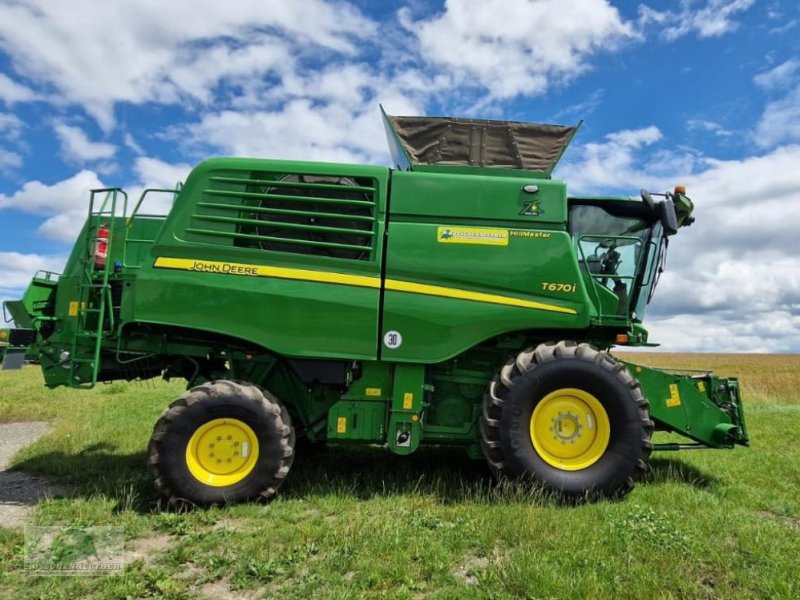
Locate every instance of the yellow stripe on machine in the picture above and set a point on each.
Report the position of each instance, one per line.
(230, 268)
(446, 292)
(247, 270)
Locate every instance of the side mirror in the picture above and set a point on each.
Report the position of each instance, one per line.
(648, 199)
(669, 220)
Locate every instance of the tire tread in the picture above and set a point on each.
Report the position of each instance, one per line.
(209, 392)
(494, 400)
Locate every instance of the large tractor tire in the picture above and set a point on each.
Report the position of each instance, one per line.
(221, 442)
(569, 417)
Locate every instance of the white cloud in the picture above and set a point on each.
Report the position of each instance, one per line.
(520, 46)
(9, 159)
(64, 204)
(780, 121)
(739, 183)
(197, 74)
(77, 147)
(635, 138)
(756, 280)
(709, 126)
(783, 28)
(167, 52)
(329, 115)
(610, 164)
(732, 280)
(297, 131)
(720, 294)
(10, 128)
(11, 91)
(580, 109)
(155, 173)
(132, 144)
(732, 333)
(780, 76)
(17, 269)
(10, 125)
(38, 198)
(714, 19)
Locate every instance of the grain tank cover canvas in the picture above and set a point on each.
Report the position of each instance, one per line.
(447, 141)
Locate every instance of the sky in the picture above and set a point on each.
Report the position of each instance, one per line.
(702, 93)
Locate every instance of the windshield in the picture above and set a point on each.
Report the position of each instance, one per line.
(612, 239)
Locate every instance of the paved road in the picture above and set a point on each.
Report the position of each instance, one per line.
(19, 492)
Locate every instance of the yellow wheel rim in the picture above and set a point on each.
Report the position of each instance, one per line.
(222, 452)
(570, 429)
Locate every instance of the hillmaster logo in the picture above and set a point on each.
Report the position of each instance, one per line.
(472, 235)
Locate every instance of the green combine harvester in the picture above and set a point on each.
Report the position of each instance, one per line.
(459, 299)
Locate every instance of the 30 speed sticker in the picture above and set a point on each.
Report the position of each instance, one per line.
(392, 339)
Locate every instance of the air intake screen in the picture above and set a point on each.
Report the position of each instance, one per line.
(321, 215)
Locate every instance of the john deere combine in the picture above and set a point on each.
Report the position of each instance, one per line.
(461, 299)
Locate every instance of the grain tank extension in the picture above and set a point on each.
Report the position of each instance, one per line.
(461, 298)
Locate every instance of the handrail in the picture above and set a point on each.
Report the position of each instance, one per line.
(135, 213)
(111, 192)
(48, 274)
(146, 191)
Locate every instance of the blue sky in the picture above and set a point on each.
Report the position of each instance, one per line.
(704, 93)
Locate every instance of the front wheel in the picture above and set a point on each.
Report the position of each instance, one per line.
(569, 417)
(221, 442)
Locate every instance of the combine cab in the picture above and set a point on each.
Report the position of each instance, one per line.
(461, 298)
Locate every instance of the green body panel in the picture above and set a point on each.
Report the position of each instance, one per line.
(269, 317)
(437, 328)
(470, 200)
(269, 312)
(140, 233)
(363, 411)
(377, 311)
(362, 421)
(404, 398)
(533, 249)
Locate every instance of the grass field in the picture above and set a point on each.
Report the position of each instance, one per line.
(356, 523)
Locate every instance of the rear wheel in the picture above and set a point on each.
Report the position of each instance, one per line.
(569, 417)
(221, 442)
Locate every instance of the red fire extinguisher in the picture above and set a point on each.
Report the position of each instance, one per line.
(101, 246)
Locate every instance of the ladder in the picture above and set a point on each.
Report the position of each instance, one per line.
(95, 315)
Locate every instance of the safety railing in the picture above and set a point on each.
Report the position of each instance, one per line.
(136, 215)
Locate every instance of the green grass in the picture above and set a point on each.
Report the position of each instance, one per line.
(355, 522)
